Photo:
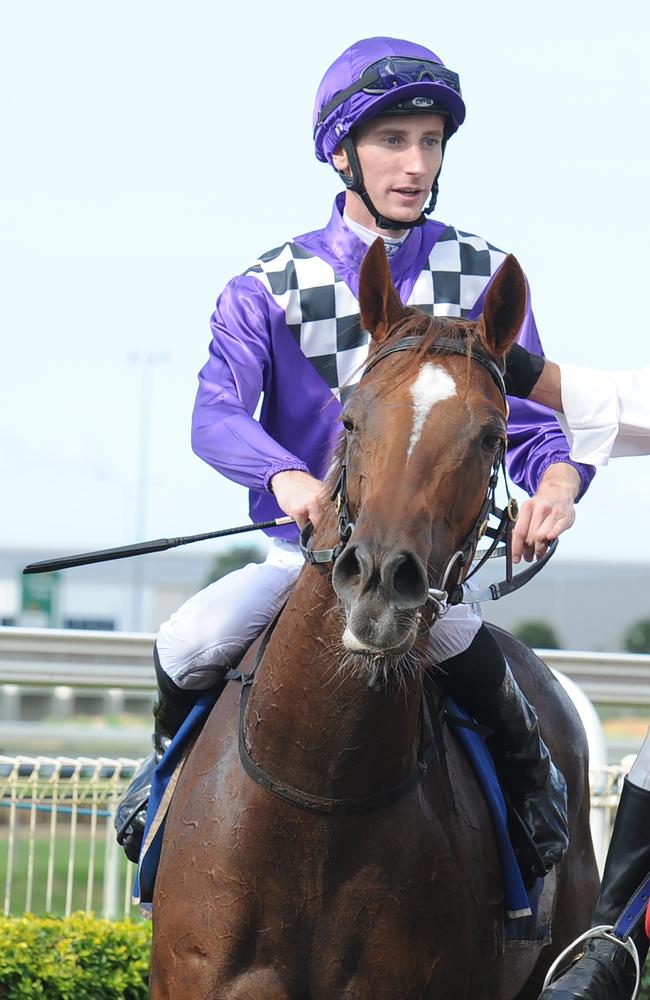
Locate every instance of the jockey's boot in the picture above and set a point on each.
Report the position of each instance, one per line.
(483, 683)
(171, 707)
(605, 971)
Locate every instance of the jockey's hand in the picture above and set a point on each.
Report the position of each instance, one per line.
(546, 515)
(300, 496)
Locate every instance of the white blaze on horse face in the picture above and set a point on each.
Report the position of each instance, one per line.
(432, 385)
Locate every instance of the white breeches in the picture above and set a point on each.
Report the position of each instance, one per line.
(215, 627)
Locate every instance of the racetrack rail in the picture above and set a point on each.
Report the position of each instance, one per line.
(88, 659)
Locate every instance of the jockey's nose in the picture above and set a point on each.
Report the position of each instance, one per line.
(361, 569)
(415, 161)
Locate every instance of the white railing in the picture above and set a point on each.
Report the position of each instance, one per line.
(85, 659)
(77, 658)
(605, 784)
(58, 852)
(48, 677)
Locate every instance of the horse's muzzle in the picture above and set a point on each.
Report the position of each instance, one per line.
(382, 593)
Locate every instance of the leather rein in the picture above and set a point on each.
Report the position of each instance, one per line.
(446, 592)
(429, 745)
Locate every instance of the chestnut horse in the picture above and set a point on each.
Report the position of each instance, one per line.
(376, 880)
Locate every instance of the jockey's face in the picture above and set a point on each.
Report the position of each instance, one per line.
(399, 157)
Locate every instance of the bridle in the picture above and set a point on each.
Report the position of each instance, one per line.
(448, 590)
(443, 596)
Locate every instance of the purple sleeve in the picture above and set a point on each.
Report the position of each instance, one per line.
(224, 432)
(535, 439)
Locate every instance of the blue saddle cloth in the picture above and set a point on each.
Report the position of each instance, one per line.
(519, 906)
(163, 784)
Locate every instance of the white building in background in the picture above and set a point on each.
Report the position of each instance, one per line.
(116, 596)
(590, 605)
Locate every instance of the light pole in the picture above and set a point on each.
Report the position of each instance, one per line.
(147, 363)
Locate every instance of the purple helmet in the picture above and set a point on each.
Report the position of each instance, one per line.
(378, 73)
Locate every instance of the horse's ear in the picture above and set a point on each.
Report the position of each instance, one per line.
(504, 308)
(380, 304)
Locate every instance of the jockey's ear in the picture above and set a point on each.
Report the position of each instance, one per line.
(340, 160)
(504, 308)
(380, 304)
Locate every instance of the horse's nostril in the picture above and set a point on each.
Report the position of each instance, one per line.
(348, 569)
(408, 581)
(399, 575)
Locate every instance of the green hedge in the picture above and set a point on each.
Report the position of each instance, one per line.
(74, 958)
(82, 958)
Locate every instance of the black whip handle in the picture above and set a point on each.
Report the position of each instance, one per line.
(145, 548)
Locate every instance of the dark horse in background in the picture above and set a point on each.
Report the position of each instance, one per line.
(260, 899)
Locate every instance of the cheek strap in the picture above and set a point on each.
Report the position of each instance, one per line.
(354, 182)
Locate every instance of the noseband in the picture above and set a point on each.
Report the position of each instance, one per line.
(447, 593)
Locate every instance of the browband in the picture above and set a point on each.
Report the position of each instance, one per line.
(445, 345)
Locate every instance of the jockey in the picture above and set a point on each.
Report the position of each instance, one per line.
(606, 415)
(288, 330)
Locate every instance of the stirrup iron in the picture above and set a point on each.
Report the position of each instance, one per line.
(602, 931)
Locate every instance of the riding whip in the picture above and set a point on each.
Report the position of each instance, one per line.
(145, 548)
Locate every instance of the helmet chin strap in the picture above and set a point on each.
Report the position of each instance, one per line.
(354, 182)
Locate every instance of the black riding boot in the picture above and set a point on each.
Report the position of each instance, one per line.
(605, 971)
(171, 707)
(481, 681)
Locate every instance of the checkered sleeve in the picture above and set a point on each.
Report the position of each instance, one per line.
(224, 432)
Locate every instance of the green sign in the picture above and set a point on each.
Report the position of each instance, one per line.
(39, 593)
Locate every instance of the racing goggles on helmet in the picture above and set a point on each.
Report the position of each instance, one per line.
(393, 71)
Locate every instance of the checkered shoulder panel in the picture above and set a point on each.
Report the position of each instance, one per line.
(459, 267)
(322, 313)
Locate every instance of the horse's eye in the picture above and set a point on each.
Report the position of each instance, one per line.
(348, 423)
(491, 442)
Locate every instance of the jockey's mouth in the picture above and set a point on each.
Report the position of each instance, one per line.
(409, 192)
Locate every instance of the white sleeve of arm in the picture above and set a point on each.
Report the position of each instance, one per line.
(606, 414)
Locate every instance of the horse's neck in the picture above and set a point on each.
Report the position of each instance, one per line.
(317, 725)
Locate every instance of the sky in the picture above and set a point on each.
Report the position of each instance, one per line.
(152, 150)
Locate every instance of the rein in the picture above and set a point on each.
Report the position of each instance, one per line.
(429, 744)
(446, 595)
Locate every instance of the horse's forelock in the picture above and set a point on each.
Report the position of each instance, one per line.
(431, 329)
(415, 324)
